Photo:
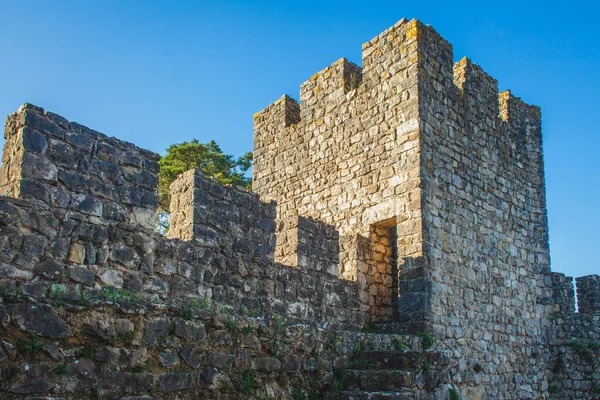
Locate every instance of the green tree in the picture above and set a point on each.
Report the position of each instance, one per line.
(208, 158)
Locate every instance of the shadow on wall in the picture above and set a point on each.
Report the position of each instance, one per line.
(95, 197)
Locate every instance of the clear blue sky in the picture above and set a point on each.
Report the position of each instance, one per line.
(159, 72)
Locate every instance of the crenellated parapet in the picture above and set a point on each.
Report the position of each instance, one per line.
(308, 244)
(588, 294)
(327, 88)
(434, 180)
(64, 240)
(563, 293)
(407, 192)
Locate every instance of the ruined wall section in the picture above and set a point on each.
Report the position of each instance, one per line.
(216, 215)
(574, 338)
(221, 238)
(65, 165)
(485, 226)
(118, 308)
(348, 154)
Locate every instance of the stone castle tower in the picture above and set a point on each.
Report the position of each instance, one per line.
(434, 180)
(396, 247)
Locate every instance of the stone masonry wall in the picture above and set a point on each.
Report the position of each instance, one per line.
(574, 340)
(339, 155)
(486, 235)
(408, 193)
(66, 165)
(100, 307)
(416, 138)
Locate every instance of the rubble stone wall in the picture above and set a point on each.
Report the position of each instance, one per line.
(408, 192)
(431, 143)
(486, 236)
(66, 165)
(574, 339)
(349, 154)
(95, 306)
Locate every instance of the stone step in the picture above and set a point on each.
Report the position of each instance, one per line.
(403, 328)
(400, 360)
(359, 395)
(380, 341)
(393, 380)
(380, 380)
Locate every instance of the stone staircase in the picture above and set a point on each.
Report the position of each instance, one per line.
(393, 367)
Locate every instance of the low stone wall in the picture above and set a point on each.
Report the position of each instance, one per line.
(94, 306)
(66, 165)
(574, 340)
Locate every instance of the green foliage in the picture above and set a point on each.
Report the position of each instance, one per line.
(279, 322)
(360, 346)
(370, 327)
(583, 350)
(337, 384)
(247, 381)
(58, 292)
(453, 394)
(193, 304)
(297, 394)
(87, 352)
(206, 301)
(247, 330)
(138, 369)
(232, 326)
(426, 340)
(554, 389)
(83, 299)
(60, 369)
(119, 296)
(335, 341)
(594, 346)
(559, 363)
(208, 158)
(577, 346)
(399, 345)
(129, 336)
(28, 346)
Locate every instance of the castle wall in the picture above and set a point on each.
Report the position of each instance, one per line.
(95, 306)
(574, 339)
(66, 165)
(349, 155)
(485, 226)
(410, 176)
(458, 169)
